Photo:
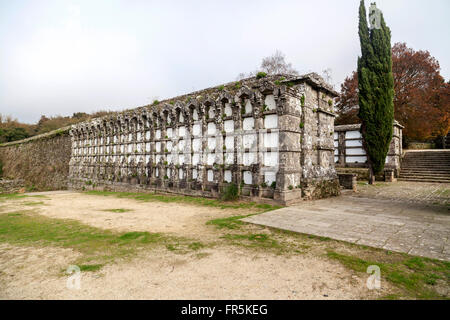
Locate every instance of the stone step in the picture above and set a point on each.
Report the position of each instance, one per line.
(424, 173)
(424, 160)
(424, 180)
(425, 177)
(425, 168)
(428, 174)
(426, 164)
(417, 156)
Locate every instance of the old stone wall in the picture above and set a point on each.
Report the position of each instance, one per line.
(271, 136)
(42, 162)
(11, 186)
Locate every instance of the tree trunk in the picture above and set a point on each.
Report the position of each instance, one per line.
(371, 175)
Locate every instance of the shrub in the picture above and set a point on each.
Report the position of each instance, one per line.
(261, 75)
(302, 100)
(230, 193)
(1, 168)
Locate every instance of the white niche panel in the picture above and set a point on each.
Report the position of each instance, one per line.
(270, 177)
(229, 126)
(248, 179)
(211, 158)
(195, 159)
(248, 106)
(211, 128)
(270, 159)
(229, 158)
(229, 143)
(181, 132)
(210, 176)
(249, 158)
(271, 121)
(228, 111)
(270, 103)
(196, 129)
(197, 145)
(227, 176)
(271, 140)
(248, 123)
(249, 141)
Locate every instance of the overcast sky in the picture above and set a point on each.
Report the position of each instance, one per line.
(60, 57)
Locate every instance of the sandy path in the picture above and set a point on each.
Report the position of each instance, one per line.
(222, 274)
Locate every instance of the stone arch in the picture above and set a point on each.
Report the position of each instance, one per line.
(211, 110)
(246, 100)
(195, 112)
(226, 101)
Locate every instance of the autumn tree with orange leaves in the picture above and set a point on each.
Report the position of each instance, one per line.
(422, 97)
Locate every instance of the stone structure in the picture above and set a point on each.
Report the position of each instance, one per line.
(11, 186)
(349, 152)
(348, 180)
(270, 136)
(42, 161)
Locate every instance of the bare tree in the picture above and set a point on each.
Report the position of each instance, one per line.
(327, 75)
(274, 64)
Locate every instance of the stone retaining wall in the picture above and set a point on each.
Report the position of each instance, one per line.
(11, 186)
(42, 161)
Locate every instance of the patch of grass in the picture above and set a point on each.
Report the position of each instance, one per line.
(97, 246)
(149, 197)
(90, 267)
(11, 196)
(196, 246)
(120, 210)
(320, 238)
(228, 223)
(33, 203)
(19, 196)
(252, 240)
(414, 276)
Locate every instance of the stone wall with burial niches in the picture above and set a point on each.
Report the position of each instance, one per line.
(349, 151)
(271, 137)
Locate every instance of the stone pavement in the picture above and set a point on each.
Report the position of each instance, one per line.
(414, 228)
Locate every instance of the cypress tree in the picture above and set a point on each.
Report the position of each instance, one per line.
(376, 91)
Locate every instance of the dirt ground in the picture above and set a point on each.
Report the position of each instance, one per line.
(218, 272)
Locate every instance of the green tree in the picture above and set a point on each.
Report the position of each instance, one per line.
(376, 90)
(13, 134)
